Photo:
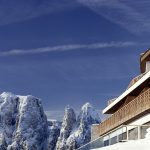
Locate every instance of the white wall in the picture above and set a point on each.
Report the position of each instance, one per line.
(147, 66)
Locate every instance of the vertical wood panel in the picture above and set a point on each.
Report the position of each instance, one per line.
(134, 108)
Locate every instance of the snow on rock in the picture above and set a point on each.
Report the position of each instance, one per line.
(67, 126)
(8, 114)
(54, 131)
(3, 144)
(82, 131)
(88, 115)
(75, 133)
(23, 124)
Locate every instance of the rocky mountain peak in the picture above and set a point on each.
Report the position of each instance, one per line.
(88, 114)
(23, 124)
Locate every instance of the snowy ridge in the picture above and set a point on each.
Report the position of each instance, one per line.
(67, 126)
(81, 128)
(24, 125)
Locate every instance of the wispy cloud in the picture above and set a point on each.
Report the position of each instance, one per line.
(132, 15)
(69, 47)
(18, 10)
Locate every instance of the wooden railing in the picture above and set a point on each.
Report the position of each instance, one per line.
(128, 112)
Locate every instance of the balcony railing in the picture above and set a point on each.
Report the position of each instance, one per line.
(128, 112)
(122, 133)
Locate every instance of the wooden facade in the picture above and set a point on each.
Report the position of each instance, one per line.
(131, 105)
(134, 108)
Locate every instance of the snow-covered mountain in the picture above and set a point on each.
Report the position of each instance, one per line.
(24, 125)
(79, 132)
(69, 121)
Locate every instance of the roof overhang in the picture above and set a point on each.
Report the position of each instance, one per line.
(127, 92)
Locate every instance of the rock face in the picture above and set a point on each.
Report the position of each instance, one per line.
(23, 124)
(68, 122)
(80, 130)
(54, 132)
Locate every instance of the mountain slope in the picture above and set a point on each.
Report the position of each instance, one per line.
(68, 122)
(23, 124)
(82, 131)
(81, 128)
(54, 132)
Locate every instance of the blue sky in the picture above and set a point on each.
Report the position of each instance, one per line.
(71, 51)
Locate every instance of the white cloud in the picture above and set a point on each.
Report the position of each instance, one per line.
(19, 10)
(132, 15)
(69, 47)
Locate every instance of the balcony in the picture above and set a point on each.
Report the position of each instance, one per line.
(127, 113)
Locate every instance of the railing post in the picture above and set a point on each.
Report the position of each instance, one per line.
(139, 132)
(109, 139)
(127, 133)
(117, 138)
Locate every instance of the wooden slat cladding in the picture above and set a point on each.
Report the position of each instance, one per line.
(127, 113)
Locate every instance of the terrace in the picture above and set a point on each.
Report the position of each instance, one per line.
(128, 113)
